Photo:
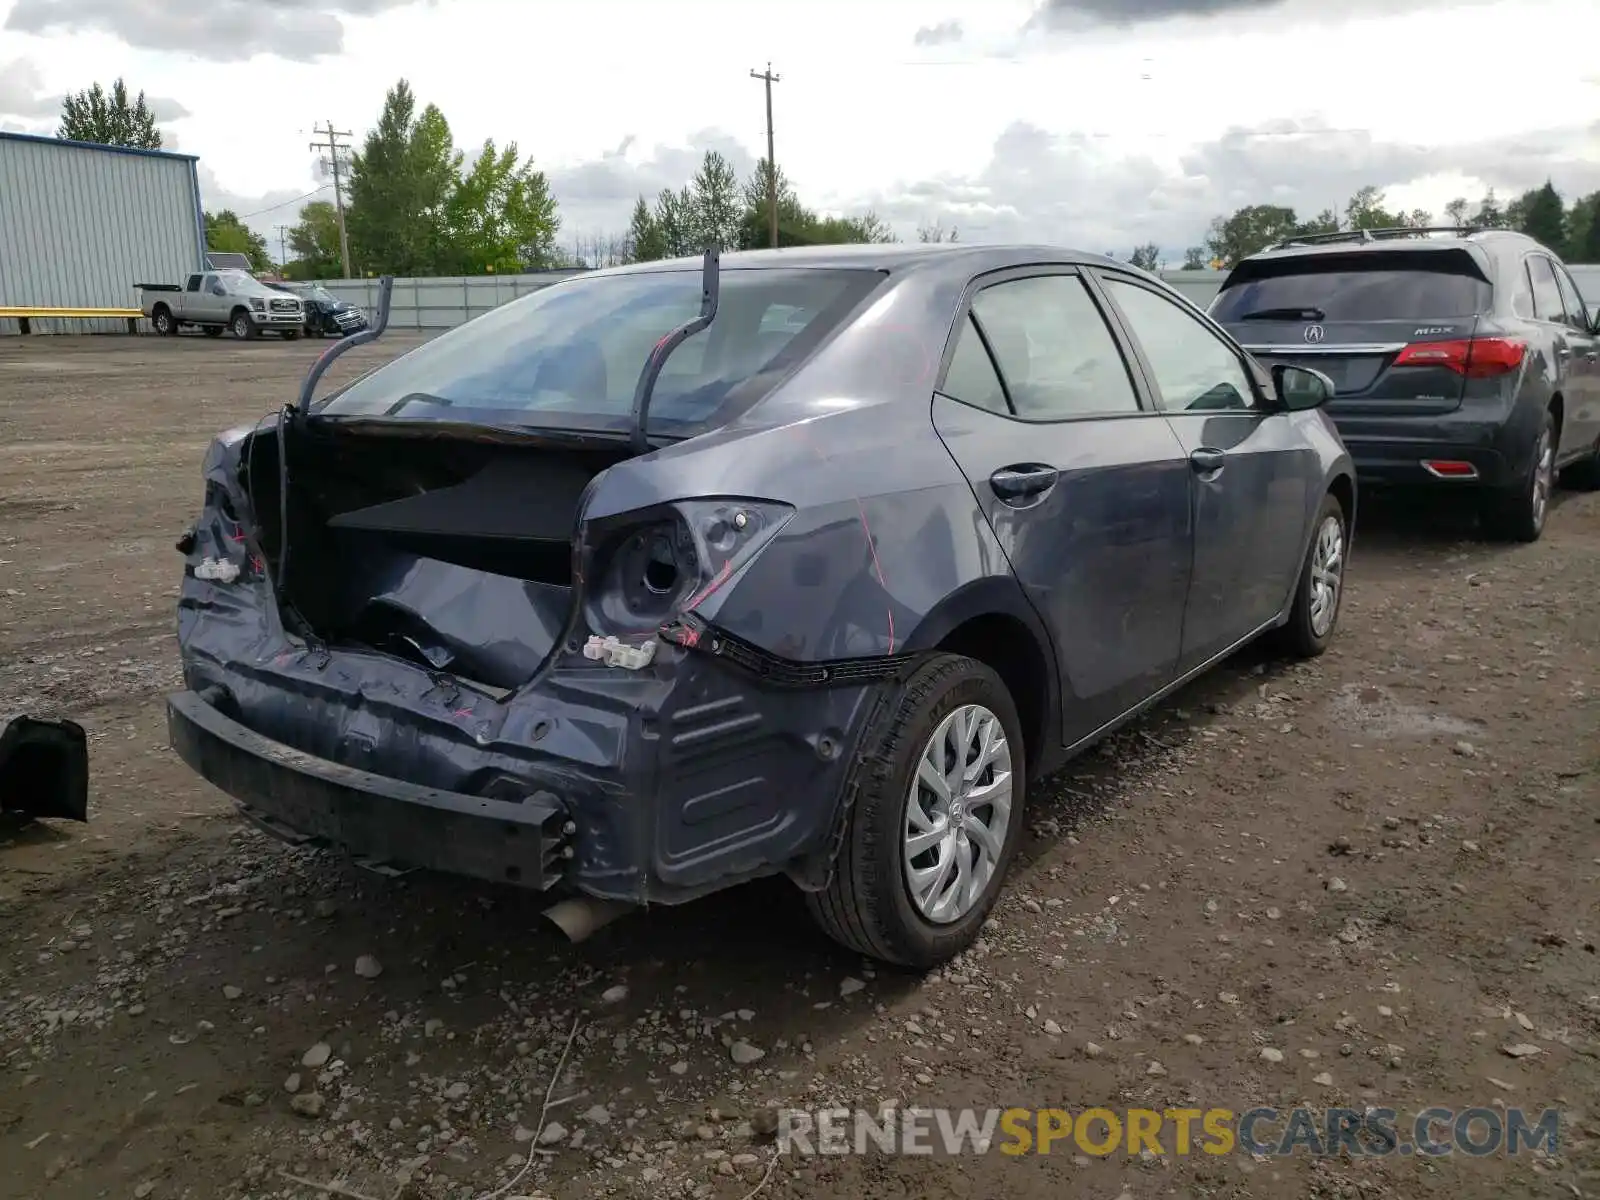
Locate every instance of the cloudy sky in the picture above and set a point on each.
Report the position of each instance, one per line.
(1095, 123)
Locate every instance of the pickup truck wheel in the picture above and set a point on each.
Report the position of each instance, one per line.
(241, 326)
(161, 320)
(936, 810)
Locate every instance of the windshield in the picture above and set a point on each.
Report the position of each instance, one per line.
(242, 283)
(1372, 286)
(569, 355)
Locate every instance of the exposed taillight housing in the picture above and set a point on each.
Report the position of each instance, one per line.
(1475, 358)
(647, 568)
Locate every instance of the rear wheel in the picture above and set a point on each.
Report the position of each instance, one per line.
(241, 326)
(1517, 514)
(939, 789)
(1315, 613)
(161, 320)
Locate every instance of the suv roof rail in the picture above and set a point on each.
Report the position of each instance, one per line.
(1373, 235)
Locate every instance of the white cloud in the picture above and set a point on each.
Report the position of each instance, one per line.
(1105, 125)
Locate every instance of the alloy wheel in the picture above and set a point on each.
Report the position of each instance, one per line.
(1543, 480)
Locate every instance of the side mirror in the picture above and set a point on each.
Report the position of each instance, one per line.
(1301, 388)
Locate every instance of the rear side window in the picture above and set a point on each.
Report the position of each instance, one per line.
(1363, 286)
(1547, 304)
(571, 354)
(971, 377)
(1054, 349)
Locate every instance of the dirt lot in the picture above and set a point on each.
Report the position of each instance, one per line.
(1355, 883)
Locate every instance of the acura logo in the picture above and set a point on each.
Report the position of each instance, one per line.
(1313, 334)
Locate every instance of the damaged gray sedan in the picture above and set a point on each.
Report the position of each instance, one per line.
(671, 576)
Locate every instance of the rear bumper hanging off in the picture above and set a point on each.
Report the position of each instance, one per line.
(379, 821)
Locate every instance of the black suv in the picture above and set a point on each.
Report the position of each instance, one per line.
(1461, 358)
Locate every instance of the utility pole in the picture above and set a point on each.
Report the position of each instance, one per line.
(283, 254)
(768, 78)
(334, 149)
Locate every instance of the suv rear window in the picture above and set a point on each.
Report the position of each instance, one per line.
(569, 356)
(1363, 286)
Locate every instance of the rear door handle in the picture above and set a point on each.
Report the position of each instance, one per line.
(1206, 461)
(1027, 479)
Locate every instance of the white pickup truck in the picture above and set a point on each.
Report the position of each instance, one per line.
(217, 301)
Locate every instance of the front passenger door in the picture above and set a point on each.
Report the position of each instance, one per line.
(1249, 470)
(1084, 485)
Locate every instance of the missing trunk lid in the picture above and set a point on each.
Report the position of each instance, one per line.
(450, 552)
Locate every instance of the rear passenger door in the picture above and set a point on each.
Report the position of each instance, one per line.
(1250, 472)
(1084, 484)
(1581, 429)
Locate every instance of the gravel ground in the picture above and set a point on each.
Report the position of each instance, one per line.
(1370, 881)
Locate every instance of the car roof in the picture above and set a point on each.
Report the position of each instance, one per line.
(891, 257)
(1402, 238)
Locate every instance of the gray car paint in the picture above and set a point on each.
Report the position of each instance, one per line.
(888, 551)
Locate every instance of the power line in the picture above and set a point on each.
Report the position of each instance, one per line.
(261, 212)
(768, 78)
(334, 149)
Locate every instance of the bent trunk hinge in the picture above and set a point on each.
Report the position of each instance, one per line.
(294, 412)
(710, 286)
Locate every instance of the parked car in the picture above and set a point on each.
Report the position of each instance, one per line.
(44, 768)
(670, 576)
(228, 300)
(1462, 358)
(326, 314)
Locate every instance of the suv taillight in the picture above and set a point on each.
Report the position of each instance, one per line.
(1476, 358)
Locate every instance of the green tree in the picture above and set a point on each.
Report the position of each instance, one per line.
(715, 205)
(111, 120)
(797, 224)
(1146, 257)
(1326, 221)
(1583, 231)
(1489, 215)
(1194, 258)
(1456, 211)
(1252, 228)
(1365, 210)
(315, 243)
(1542, 215)
(500, 218)
(225, 232)
(646, 243)
(401, 184)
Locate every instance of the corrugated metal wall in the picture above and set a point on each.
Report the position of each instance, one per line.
(80, 225)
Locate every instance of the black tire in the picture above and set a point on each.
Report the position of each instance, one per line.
(867, 905)
(1584, 475)
(214, 331)
(241, 326)
(1306, 635)
(1518, 513)
(161, 320)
